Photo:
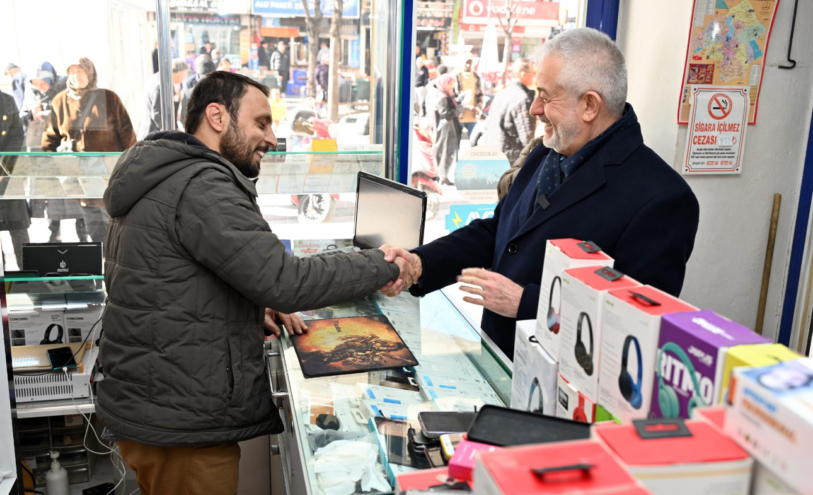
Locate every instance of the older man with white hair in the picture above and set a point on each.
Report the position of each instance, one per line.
(592, 179)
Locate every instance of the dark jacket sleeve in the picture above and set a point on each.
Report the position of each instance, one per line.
(469, 247)
(12, 138)
(219, 227)
(656, 246)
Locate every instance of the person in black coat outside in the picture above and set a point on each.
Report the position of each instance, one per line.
(447, 128)
(262, 55)
(14, 214)
(281, 64)
(592, 178)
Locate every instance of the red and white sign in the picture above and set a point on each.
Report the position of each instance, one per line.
(716, 137)
(481, 28)
(529, 13)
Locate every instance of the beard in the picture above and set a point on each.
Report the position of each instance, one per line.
(563, 133)
(234, 148)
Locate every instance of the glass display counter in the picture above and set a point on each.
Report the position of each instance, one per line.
(457, 371)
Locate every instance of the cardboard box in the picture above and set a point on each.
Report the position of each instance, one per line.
(691, 354)
(421, 480)
(31, 316)
(535, 378)
(752, 356)
(461, 465)
(602, 414)
(583, 293)
(706, 462)
(583, 466)
(572, 404)
(771, 416)
(83, 311)
(632, 322)
(560, 254)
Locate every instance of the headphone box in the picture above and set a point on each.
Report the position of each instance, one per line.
(572, 404)
(677, 457)
(772, 418)
(535, 378)
(583, 293)
(33, 315)
(83, 311)
(752, 356)
(629, 345)
(561, 254)
(581, 466)
(691, 353)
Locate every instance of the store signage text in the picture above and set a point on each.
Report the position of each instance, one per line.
(435, 22)
(525, 10)
(293, 8)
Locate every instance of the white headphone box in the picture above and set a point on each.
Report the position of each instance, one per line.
(33, 315)
(533, 387)
(561, 254)
(632, 321)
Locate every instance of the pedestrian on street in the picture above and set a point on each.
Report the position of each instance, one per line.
(447, 129)
(17, 84)
(281, 64)
(510, 126)
(14, 215)
(468, 80)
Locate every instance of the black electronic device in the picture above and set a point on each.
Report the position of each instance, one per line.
(63, 259)
(437, 423)
(59, 336)
(102, 489)
(435, 457)
(388, 212)
(61, 357)
(505, 427)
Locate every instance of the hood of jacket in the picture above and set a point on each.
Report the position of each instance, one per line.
(153, 160)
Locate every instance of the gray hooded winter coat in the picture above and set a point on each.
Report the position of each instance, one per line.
(190, 265)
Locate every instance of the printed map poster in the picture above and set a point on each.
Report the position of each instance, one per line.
(728, 41)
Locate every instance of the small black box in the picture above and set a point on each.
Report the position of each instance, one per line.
(63, 259)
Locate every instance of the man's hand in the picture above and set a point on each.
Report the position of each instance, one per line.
(411, 269)
(499, 294)
(293, 323)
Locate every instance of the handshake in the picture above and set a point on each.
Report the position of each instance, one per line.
(411, 269)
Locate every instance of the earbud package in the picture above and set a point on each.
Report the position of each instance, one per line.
(533, 387)
(691, 360)
(573, 405)
(583, 293)
(561, 254)
(629, 345)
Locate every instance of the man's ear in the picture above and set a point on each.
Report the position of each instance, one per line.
(591, 102)
(217, 117)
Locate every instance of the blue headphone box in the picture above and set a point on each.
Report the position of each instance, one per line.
(691, 359)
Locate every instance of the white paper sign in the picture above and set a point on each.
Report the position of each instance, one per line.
(716, 137)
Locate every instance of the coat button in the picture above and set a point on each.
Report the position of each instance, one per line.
(513, 248)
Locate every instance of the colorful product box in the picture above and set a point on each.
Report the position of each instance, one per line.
(771, 416)
(561, 254)
(461, 465)
(753, 356)
(572, 404)
(583, 294)
(632, 322)
(582, 467)
(691, 359)
(535, 376)
(676, 457)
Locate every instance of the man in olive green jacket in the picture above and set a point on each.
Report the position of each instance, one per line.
(193, 273)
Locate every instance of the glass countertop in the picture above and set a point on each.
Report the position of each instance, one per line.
(457, 371)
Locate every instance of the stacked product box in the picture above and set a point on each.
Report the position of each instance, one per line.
(534, 382)
(37, 319)
(632, 326)
(572, 404)
(752, 356)
(691, 360)
(560, 255)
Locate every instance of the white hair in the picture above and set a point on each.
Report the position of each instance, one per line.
(591, 61)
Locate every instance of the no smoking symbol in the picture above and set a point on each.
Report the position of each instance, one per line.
(720, 106)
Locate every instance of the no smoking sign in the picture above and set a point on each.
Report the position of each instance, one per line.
(716, 137)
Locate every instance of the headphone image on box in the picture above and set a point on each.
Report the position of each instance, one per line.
(579, 414)
(584, 358)
(60, 333)
(553, 316)
(667, 398)
(631, 390)
(540, 402)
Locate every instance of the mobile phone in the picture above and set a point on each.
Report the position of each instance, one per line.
(436, 423)
(435, 456)
(505, 427)
(448, 444)
(61, 357)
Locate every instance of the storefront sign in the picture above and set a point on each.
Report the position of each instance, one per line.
(481, 28)
(293, 8)
(728, 42)
(717, 125)
(462, 215)
(193, 5)
(529, 13)
(214, 20)
(245, 46)
(279, 32)
(434, 22)
(355, 53)
(477, 173)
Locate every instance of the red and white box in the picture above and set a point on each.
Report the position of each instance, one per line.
(632, 326)
(583, 294)
(560, 255)
(578, 467)
(421, 480)
(677, 457)
(461, 465)
(572, 404)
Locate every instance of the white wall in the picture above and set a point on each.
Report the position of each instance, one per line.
(725, 271)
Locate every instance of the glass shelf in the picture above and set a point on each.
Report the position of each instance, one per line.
(15, 278)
